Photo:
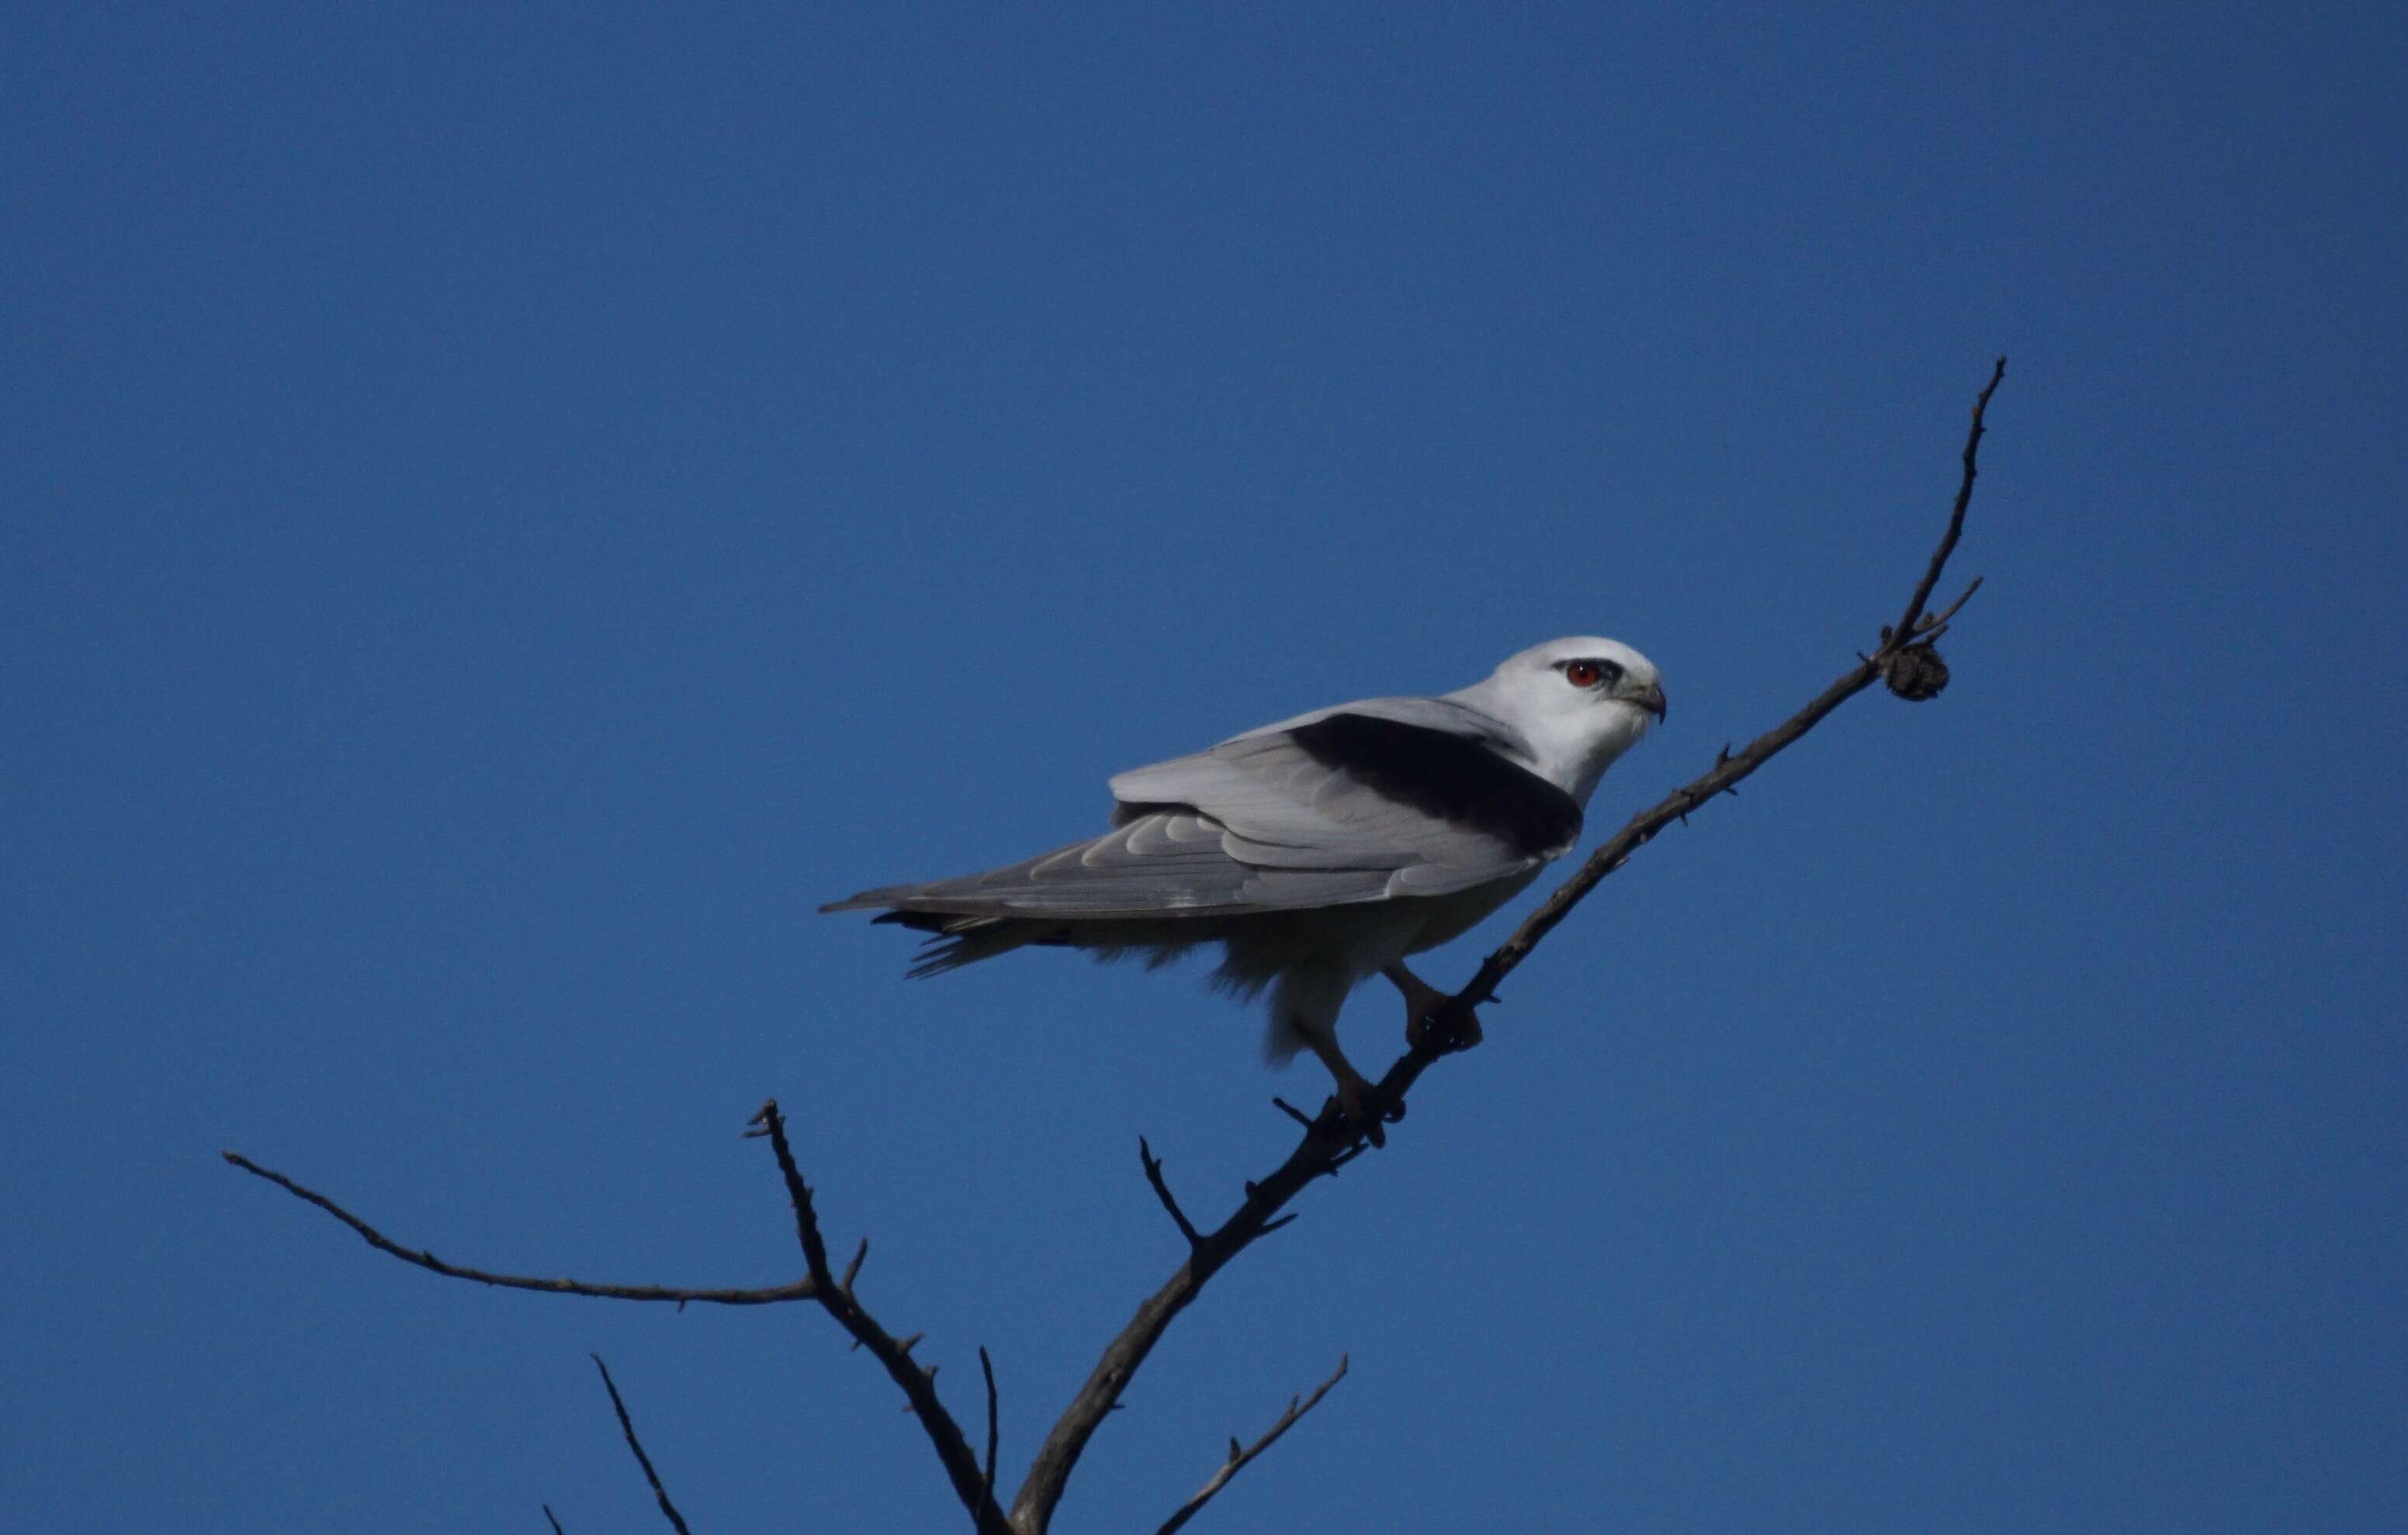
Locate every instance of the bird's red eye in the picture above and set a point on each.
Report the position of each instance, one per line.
(1581, 673)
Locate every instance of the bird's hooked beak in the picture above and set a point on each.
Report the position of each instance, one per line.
(1650, 698)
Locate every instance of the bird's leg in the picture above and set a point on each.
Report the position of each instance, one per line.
(1422, 1003)
(1354, 1090)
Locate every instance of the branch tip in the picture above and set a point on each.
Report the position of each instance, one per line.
(422, 1258)
(1241, 1456)
(1152, 1166)
(628, 1427)
(986, 1368)
(1904, 629)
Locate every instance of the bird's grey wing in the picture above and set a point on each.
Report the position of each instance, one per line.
(1427, 789)
(1171, 863)
(1390, 797)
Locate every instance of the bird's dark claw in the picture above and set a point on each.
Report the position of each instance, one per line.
(1359, 1110)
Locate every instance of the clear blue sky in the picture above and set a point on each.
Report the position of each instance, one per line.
(505, 514)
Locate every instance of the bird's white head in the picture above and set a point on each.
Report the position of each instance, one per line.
(1581, 702)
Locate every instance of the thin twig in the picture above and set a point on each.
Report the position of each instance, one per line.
(628, 1427)
(974, 1489)
(1931, 626)
(1152, 1166)
(1328, 1144)
(1904, 630)
(1238, 1459)
(803, 1289)
(553, 1520)
(986, 1368)
(768, 1122)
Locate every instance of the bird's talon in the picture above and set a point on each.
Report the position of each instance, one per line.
(1355, 1114)
(1425, 1035)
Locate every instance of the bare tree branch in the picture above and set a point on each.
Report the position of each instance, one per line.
(919, 1383)
(1239, 1458)
(1904, 657)
(553, 1520)
(1152, 1166)
(805, 1289)
(987, 1472)
(972, 1485)
(628, 1427)
(1905, 628)
(1329, 1141)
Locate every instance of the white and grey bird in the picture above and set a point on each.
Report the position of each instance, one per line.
(1322, 850)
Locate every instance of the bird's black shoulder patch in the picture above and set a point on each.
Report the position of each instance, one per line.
(1123, 813)
(1448, 776)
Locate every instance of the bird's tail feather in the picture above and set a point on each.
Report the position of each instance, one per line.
(955, 939)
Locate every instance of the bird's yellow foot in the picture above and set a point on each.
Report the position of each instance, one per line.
(1358, 1100)
(1422, 1004)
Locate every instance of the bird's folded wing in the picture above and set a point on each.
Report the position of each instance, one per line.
(1390, 797)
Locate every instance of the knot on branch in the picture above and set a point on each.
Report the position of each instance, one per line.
(1914, 673)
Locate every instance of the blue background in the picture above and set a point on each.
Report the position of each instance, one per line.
(508, 513)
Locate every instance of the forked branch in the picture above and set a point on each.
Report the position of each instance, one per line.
(971, 1483)
(1240, 1459)
(1330, 1141)
(803, 1289)
(1903, 656)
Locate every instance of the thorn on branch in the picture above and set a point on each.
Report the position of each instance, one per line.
(853, 1269)
(1293, 1111)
